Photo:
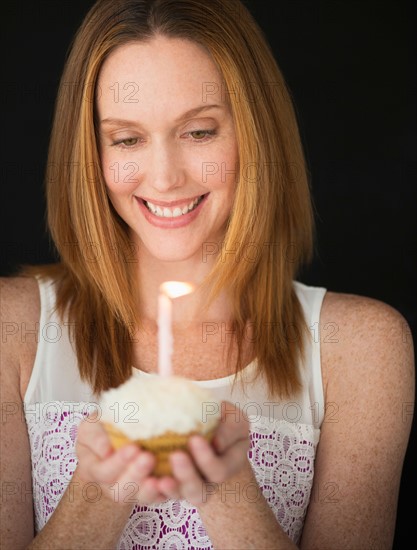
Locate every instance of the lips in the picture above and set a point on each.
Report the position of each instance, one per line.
(171, 215)
(172, 212)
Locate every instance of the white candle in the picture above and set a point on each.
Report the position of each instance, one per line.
(167, 291)
(165, 339)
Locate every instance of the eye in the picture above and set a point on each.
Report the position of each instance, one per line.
(126, 143)
(200, 135)
(129, 142)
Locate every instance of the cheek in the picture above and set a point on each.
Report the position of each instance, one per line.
(220, 170)
(121, 176)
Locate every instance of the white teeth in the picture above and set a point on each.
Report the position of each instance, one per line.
(176, 213)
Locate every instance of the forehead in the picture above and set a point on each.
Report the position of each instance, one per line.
(169, 72)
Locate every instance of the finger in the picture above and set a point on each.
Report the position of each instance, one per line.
(140, 468)
(92, 434)
(138, 482)
(109, 469)
(217, 468)
(149, 492)
(190, 481)
(169, 487)
(233, 426)
(211, 465)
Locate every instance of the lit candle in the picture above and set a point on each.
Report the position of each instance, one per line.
(167, 291)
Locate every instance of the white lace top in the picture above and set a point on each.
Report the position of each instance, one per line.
(284, 435)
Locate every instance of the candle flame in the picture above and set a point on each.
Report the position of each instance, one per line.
(175, 289)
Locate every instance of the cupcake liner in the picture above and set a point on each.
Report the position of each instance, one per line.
(161, 446)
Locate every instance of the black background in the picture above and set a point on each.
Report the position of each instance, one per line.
(351, 69)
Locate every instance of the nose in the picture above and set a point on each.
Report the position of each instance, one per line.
(164, 171)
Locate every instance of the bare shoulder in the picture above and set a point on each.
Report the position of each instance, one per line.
(20, 312)
(370, 355)
(366, 333)
(19, 296)
(359, 312)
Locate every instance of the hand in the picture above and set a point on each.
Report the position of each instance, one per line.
(123, 475)
(128, 470)
(213, 463)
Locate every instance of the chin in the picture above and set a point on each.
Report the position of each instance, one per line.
(175, 254)
(175, 257)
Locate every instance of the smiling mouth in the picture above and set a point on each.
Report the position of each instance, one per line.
(175, 212)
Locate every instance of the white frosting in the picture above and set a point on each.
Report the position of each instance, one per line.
(143, 408)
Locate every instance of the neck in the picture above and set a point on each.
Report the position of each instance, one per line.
(190, 309)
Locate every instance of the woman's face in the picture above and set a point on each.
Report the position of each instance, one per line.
(168, 146)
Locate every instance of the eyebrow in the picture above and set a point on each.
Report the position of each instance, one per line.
(188, 114)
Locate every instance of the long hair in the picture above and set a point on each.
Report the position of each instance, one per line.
(270, 229)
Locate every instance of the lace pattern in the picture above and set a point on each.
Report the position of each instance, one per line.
(281, 453)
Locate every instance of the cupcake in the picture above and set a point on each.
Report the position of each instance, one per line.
(159, 414)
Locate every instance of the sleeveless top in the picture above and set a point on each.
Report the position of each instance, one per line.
(283, 434)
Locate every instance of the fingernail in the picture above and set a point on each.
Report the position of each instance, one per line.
(217, 443)
(178, 460)
(143, 462)
(102, 447)
(197, 443)
(128, 452)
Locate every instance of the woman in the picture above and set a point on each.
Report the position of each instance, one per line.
(175, 155)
